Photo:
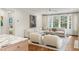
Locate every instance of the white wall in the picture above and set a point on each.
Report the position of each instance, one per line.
(38, 24)
(75, 23)
(78, 23)
(44, 22)
(22, 22)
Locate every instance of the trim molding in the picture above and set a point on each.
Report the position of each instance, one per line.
(60, 13)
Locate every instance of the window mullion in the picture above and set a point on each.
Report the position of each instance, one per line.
(59, 22)
(68, 22)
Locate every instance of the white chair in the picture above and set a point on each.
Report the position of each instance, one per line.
(35, 38)
(52, 41)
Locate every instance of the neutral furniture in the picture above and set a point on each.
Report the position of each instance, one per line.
(13, 43)
(35, 38)
(20, 46)
(53, 41)
(56, 31)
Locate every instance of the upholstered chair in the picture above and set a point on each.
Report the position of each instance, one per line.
(35, 38)
(52, 41)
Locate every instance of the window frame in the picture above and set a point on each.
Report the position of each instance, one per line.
(59, 21)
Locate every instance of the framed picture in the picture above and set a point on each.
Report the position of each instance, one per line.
(32, 21)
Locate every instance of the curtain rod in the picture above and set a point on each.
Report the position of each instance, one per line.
(60, 13)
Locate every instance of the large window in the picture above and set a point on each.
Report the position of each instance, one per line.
(60, 21)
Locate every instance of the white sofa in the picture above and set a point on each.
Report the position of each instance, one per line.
(53, 40)
(48, 41)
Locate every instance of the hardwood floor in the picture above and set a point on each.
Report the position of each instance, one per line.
(33, 47)
(69, 46)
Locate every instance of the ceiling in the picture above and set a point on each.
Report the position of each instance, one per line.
(43, 10)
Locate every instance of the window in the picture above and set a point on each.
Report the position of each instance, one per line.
(55, 22)
(59, 21)
(69, 22)
(64, 22)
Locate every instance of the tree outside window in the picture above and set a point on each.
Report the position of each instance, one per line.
(64, 22)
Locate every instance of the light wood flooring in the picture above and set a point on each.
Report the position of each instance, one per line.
(70, 45)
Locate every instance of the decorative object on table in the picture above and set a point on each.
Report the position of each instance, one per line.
(11, 30)
(32, 21)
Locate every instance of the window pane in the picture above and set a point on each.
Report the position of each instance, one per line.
(63, 21)
(69, 22)
(55, 21)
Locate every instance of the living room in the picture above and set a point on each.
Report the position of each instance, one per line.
(39, 29)
(59, 24)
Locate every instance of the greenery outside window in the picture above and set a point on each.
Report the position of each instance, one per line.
(70, 22)
(64, 22)
(60, 21)
(55, 22)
